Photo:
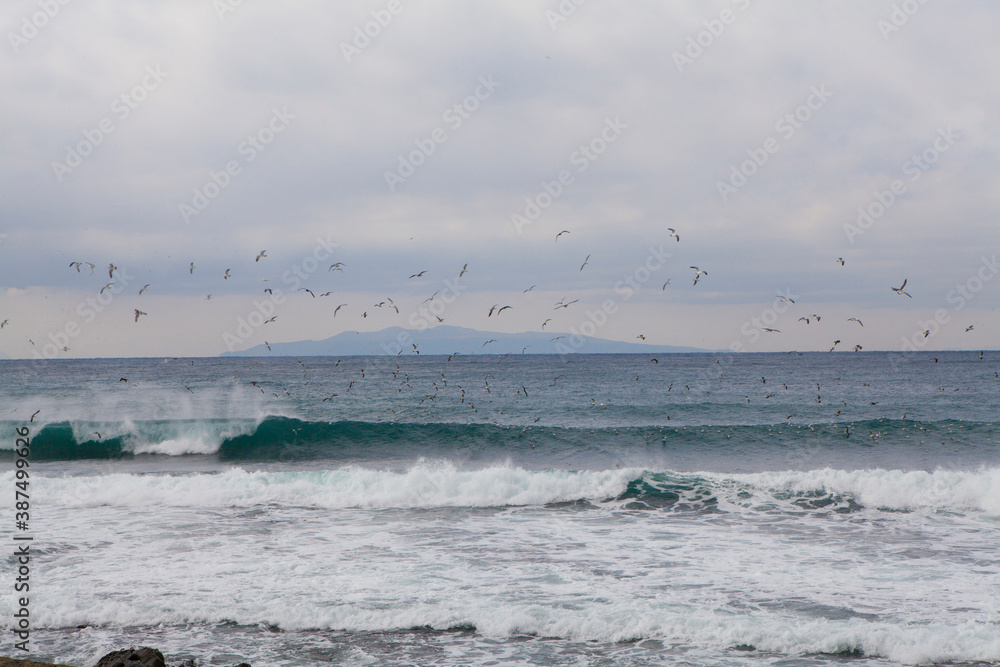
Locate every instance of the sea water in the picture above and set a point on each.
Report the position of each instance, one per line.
(686, 509)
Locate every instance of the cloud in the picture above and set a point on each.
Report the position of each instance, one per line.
(558, 83)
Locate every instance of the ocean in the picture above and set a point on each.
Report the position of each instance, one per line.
(681, 509)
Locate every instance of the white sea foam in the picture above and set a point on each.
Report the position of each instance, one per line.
(616, 622)
(292, 549)
(442, 484)
(423, 485)
(889, 489)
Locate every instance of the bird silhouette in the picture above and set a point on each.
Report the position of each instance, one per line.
(901, 289)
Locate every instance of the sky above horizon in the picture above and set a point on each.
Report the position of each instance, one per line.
(809, 157)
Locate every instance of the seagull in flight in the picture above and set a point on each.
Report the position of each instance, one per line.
(585, 262)
(306, 289)
(338, 308)
(503, 309)
(901, 289)
(565, 231)
(77, 265)
(854, 319)
(144, 288)
(225, 276)
(108, 286)
(529, 289)
(3, 324)
(111, 269)
(560, 303)
(491, 340)
(967, 329)
(418, 275)
(546, 322)
(673, 234)
(465, 269)
(772, 330)
(641, 337)
(841, 260)
(665, 285)
(698, 273)
(785, 298)
(138, 313)
(260, 255)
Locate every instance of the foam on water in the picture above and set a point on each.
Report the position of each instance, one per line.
(443, 484)
(890, 489)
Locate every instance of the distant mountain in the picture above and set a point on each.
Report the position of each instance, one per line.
(448, 339)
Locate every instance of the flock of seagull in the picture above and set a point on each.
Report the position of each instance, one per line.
(495, 310)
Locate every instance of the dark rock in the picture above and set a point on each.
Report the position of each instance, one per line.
(142, 657)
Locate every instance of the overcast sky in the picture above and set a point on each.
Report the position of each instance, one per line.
(401, 137)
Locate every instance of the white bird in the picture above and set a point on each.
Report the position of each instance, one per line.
(191, 269)
(900, 289)
(565, 231)
(138, 313)
(262, 254)
(698, 273)
(225, 276)
(673, 234)
(144, 288)
(854, 319)
(585, 262)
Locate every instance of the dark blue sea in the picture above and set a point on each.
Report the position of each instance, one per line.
(793, 509)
